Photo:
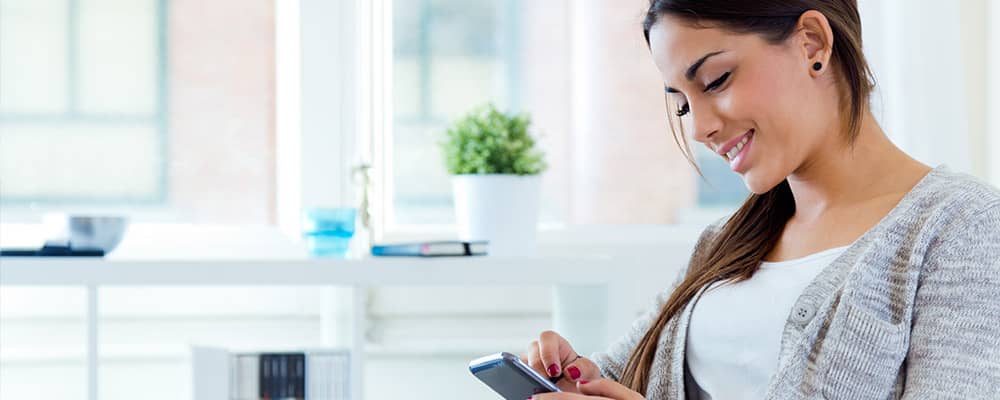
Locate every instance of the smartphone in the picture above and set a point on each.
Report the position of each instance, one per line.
(511, 378)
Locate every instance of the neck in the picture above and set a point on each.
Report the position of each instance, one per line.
(850, 174)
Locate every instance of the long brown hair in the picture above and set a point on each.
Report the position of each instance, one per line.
(734, 253)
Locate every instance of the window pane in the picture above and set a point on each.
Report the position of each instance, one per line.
(33, 76)
(104, 143)
(161, 113)
(80, 161)
(448, 57)
(119, 56)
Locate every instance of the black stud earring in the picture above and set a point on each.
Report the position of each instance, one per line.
(817, 66)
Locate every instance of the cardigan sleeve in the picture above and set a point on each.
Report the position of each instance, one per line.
(955, 337)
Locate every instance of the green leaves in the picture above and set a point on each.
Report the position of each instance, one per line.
(487, 141)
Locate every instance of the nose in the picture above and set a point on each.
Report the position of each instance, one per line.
(705, 122)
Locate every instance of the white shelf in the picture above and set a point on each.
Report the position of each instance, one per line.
(304, 271)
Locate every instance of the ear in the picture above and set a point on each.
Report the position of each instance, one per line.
(815, 38)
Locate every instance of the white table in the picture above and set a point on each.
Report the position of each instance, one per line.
(591, 305)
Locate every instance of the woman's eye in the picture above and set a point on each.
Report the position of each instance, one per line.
(717, 83)
(684, 110)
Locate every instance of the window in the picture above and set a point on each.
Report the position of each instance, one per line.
(82, 101)
(448, 57)
(139, 107)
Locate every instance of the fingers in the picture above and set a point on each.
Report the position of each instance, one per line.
(579, 370)
(533, 359)
(535, 362)
(607, 388)
(554, 353)
(582, 369)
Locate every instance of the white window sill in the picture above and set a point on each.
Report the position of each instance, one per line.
(172, 241)
(145, 241)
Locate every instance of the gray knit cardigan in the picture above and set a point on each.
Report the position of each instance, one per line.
(910, 310)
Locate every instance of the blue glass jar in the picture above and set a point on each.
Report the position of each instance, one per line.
(328, 231)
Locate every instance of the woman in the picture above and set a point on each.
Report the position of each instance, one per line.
(851, 272)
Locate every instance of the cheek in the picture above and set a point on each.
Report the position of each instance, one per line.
(744, 102)
(770, 98)
(770, 93)
(769, 101)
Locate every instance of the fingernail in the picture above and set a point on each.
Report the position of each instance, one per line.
(584, 382)
(574, 372)
(553, 370)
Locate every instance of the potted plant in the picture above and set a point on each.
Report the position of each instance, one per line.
(496, 179)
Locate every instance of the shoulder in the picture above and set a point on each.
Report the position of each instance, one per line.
(950, 195)
(942, 205)
(713, 229)
(962, 215)
(709, 234)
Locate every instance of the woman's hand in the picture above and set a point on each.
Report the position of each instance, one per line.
(552, 356)
(603, 389)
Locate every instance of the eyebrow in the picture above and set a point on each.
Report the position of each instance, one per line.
(693, 69)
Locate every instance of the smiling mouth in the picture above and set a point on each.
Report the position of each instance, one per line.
(733, 152)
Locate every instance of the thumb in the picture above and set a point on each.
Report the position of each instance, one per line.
(607, 388)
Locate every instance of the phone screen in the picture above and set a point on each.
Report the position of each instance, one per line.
(510, 377)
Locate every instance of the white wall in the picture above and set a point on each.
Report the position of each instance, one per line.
(994, 91)
(931, 62)
(974, 39)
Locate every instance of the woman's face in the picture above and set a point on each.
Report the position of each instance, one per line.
(737, 88)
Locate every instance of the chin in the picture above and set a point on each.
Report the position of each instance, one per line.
(760, 182)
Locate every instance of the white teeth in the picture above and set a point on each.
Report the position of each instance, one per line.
(739, 146)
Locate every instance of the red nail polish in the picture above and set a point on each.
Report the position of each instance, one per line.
(574, 372)
(584, 382)
(553, 370)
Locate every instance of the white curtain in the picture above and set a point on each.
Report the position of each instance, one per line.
(917, 51)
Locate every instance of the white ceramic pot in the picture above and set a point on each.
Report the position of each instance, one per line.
(502, 209)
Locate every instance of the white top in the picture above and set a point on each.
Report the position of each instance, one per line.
(735, 330)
